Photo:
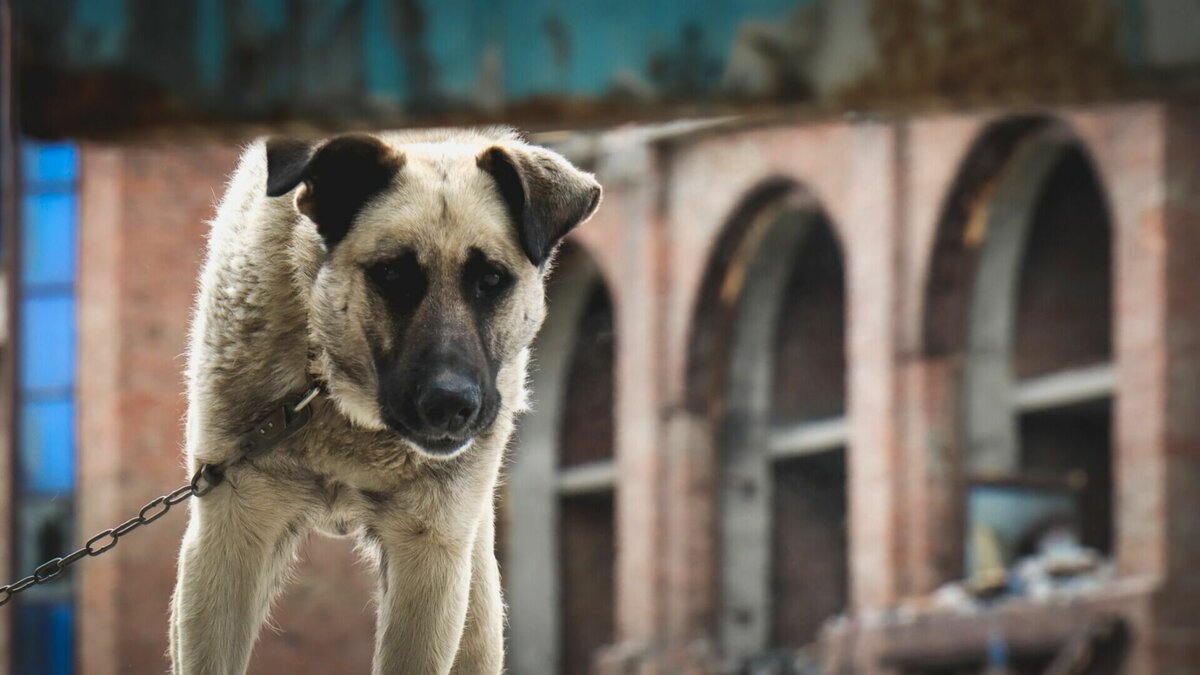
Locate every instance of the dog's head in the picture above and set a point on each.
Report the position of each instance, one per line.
(432, 283)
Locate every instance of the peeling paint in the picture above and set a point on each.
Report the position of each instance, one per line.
(110, 67)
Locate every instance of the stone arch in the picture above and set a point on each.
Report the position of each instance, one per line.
(999, 213)
(765, 258)
(561, 486)
(709, 345)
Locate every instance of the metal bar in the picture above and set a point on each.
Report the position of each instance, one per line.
(587, 478)
(808, 438)
(1080, 385)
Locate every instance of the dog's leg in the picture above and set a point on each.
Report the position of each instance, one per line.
(236, 548)
(425, 578)
(482, 649)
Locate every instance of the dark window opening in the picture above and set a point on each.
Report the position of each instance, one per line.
(810, 573)
(587, 545)
(1064, 308)
(587, 425)
(809, 561)
(1072, 445)
(1064, 323)
(586, 521)
(557, 517)
(810, 354)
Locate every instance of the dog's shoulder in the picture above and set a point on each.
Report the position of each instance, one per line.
(245, 212)
(246, 185)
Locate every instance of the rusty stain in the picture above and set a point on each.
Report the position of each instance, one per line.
(559, 37)
(976, 227)
(687, 70)
(989, 51)
(930, 54)
(410, 27)
(961, 226)
(747, 251)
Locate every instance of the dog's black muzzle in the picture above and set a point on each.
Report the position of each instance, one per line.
(441, 407)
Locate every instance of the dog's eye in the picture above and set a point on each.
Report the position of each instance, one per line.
(401, 281)
(484, 279)
(388, 273)
(490, 280)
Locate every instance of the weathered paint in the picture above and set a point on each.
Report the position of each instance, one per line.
(101, 67)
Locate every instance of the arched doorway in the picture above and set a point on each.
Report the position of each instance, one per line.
(559, 525)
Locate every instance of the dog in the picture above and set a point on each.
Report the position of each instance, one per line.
(403, 273)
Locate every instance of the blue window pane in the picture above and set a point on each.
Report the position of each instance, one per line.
(48, 446)
(46, 353)
(49, 162)
(47, 349)
(48, 238)
(45, 642)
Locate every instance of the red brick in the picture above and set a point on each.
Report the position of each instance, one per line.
(668, 208)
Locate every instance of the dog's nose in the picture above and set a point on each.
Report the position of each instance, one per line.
(447, 403)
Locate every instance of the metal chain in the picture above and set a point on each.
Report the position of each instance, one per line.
(106, 540)
(267, 434)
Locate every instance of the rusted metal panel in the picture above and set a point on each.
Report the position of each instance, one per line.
(105, 67)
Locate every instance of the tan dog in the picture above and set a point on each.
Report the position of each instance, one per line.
(405, 274)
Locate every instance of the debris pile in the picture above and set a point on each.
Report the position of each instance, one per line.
(1061, 568)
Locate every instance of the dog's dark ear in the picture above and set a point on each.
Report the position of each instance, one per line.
(545, 195)
(339, 176)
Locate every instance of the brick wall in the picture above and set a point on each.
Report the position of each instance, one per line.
(144, 213)
(670, 214)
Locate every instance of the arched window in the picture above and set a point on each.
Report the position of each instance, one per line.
(783, 433)
(1063, 345)
(1039, 373)
(1026, 249)
(559, 563)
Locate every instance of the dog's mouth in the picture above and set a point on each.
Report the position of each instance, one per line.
(443, 446)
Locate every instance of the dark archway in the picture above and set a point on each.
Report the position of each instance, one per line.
(1018, 304)
(561, 489)
(768, 368)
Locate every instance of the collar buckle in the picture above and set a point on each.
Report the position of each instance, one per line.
(289, 417)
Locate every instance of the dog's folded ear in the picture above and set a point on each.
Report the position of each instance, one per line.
(339, 176)
(545, 195)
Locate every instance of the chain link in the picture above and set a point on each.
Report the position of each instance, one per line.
(207, 477)
(53, 569)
